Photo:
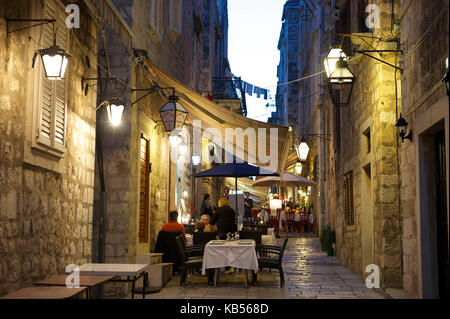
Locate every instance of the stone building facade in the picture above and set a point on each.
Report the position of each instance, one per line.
(367, 150)
(46, 171)
(142, 181)
(425, 170)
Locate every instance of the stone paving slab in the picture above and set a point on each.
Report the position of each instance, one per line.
(309, 274)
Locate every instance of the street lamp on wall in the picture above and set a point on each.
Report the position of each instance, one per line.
(340, 83)
(298, 168)
(173, 114)
(196, 160)
(54, 60)
(303, 150)
(332, 58)
(402, 126)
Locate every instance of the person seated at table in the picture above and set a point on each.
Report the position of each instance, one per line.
(224, 218)
(200, 226)
(290, 204)
(173, 225)
(208, 227)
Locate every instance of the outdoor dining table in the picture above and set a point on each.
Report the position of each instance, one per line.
(239, 254)
(45, 293)
(85, 281)
(133, 272)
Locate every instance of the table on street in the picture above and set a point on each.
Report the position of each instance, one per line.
(239, 254)
(45, 293)
(85, 281)
(133, 272)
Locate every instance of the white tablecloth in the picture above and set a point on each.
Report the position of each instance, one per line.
(242, 256)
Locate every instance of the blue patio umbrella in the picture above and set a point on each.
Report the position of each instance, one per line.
(236, 170)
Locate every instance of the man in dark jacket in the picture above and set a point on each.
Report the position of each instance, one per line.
(225, 218)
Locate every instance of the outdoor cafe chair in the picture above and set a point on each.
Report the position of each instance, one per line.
(271, 257)
(290, 221)
(188, 264)
(304, 220)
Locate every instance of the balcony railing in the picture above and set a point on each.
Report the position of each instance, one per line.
(229, 89)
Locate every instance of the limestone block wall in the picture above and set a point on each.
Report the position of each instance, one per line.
(424, 68)
(45, 214)
(376, 235)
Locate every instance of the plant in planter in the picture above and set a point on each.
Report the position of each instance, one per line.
(328, 239)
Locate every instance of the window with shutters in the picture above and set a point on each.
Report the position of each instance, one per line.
(175, 17)
(50, 114)
(156, 18)
(348, 199)
(144, 204)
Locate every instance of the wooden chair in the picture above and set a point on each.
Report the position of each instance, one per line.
(271, 257)
(304, 220)
(290, 221)
(274, 222)
(186, 263)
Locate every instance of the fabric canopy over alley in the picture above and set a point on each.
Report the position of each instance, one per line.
(214, 116)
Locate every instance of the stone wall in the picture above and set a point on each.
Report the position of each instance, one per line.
(45, 214)
(375, 235)
(424, 68)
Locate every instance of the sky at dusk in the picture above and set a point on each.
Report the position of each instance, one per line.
(254, 30)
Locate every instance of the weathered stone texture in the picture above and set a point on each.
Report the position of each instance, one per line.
(424, 68)
(44, 218)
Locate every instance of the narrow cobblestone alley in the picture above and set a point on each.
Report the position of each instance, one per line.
(309, 273)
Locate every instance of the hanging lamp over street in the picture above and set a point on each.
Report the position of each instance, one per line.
(298, 168)
(173, 114)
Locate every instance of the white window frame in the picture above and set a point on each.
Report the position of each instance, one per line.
(156, 18)
(174, 27)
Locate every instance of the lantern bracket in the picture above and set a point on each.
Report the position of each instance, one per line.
(151, 90)
(38, 21)
(365, 52)
(85, 86)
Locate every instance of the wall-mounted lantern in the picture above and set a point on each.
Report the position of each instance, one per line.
(196, 160)
(173, 114)
(298, 168)
(303, 150)
(340, 83)
(402, 126)
(55, 61)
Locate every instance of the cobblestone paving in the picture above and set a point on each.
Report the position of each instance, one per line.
(309, 273)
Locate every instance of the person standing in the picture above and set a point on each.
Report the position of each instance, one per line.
(248, 206)
(208, 207)
(224, 218)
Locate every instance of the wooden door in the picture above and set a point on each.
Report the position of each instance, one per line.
(144, 204)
